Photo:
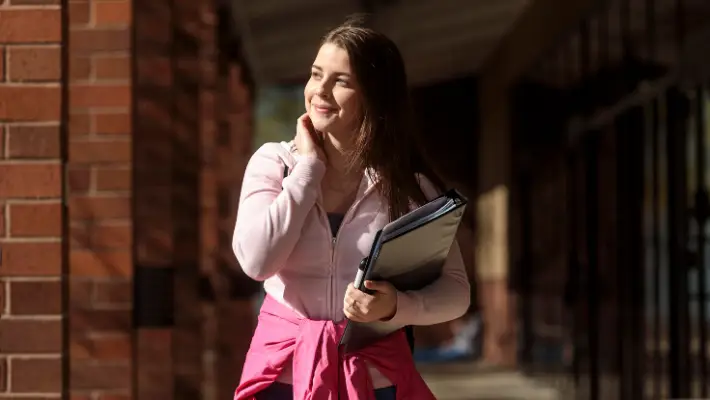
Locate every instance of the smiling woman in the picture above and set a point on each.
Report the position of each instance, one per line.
(309, 211)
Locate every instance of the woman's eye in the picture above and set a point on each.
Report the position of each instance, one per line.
(315, 74)
(342, 82)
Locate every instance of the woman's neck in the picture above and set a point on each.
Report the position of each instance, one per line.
(336, 151)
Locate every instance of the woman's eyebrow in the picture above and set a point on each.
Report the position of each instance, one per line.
(341, 74)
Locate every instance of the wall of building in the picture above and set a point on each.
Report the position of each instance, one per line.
(98, 132)
(84, 111)
(31, 334)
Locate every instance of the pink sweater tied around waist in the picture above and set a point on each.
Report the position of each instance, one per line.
(320, 372)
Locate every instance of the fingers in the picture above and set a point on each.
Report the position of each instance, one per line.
(376, 286)
(308, 140)
(304, 121)
(354, 314)
(380, 286)
(353, 296)
(357, 305)
(305, 124)
(303, 131)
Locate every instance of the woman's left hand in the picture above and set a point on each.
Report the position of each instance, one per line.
(362, 307)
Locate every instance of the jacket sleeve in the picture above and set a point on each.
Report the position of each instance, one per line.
(269, 218)
(445, 299)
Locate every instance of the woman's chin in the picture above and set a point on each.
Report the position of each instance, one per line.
(321, 124)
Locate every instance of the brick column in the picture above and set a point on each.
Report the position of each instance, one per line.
(234, 315)
(192, 136)
(99, 184)
(30, 200)
(152, 161)
(110, 192)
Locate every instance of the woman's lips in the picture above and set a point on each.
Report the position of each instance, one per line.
(323, 109)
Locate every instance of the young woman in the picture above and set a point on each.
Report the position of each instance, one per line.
(308, 213)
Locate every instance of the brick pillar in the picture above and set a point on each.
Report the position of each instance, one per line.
(30, 200)
(152, 161)
(192, 136)
(233, 308)
(190, 124)
(226, 136)
(99, 107)
(115, 186)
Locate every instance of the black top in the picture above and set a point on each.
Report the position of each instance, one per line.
(335, 221)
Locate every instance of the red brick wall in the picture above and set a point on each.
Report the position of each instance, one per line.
(30, 193)
(98, 197)
(99, 186)
(94, 163)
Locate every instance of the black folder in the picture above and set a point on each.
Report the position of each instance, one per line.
(409, 253)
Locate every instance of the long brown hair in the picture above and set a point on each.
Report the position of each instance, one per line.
(387, 142)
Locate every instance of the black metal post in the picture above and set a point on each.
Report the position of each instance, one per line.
(526, 272)
(679, 340)
(603, 32)
(573, 276)
(625, 28)
(702, 209)
(680, 31)
(591, 155)
(651, 29)
(655, 161)
(630, 266)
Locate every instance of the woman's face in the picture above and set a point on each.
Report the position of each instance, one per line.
(332, 96)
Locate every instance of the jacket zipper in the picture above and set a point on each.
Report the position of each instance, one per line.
(331, 290)
(333, 243)
(333, 281)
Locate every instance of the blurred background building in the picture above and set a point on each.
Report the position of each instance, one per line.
(578, 129)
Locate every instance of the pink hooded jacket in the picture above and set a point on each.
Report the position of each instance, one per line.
(282, 237)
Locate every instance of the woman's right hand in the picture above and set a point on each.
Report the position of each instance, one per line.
(308, 140)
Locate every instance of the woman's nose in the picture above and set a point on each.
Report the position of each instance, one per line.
(321, 90)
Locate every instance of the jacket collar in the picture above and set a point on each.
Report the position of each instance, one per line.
(370, 177)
